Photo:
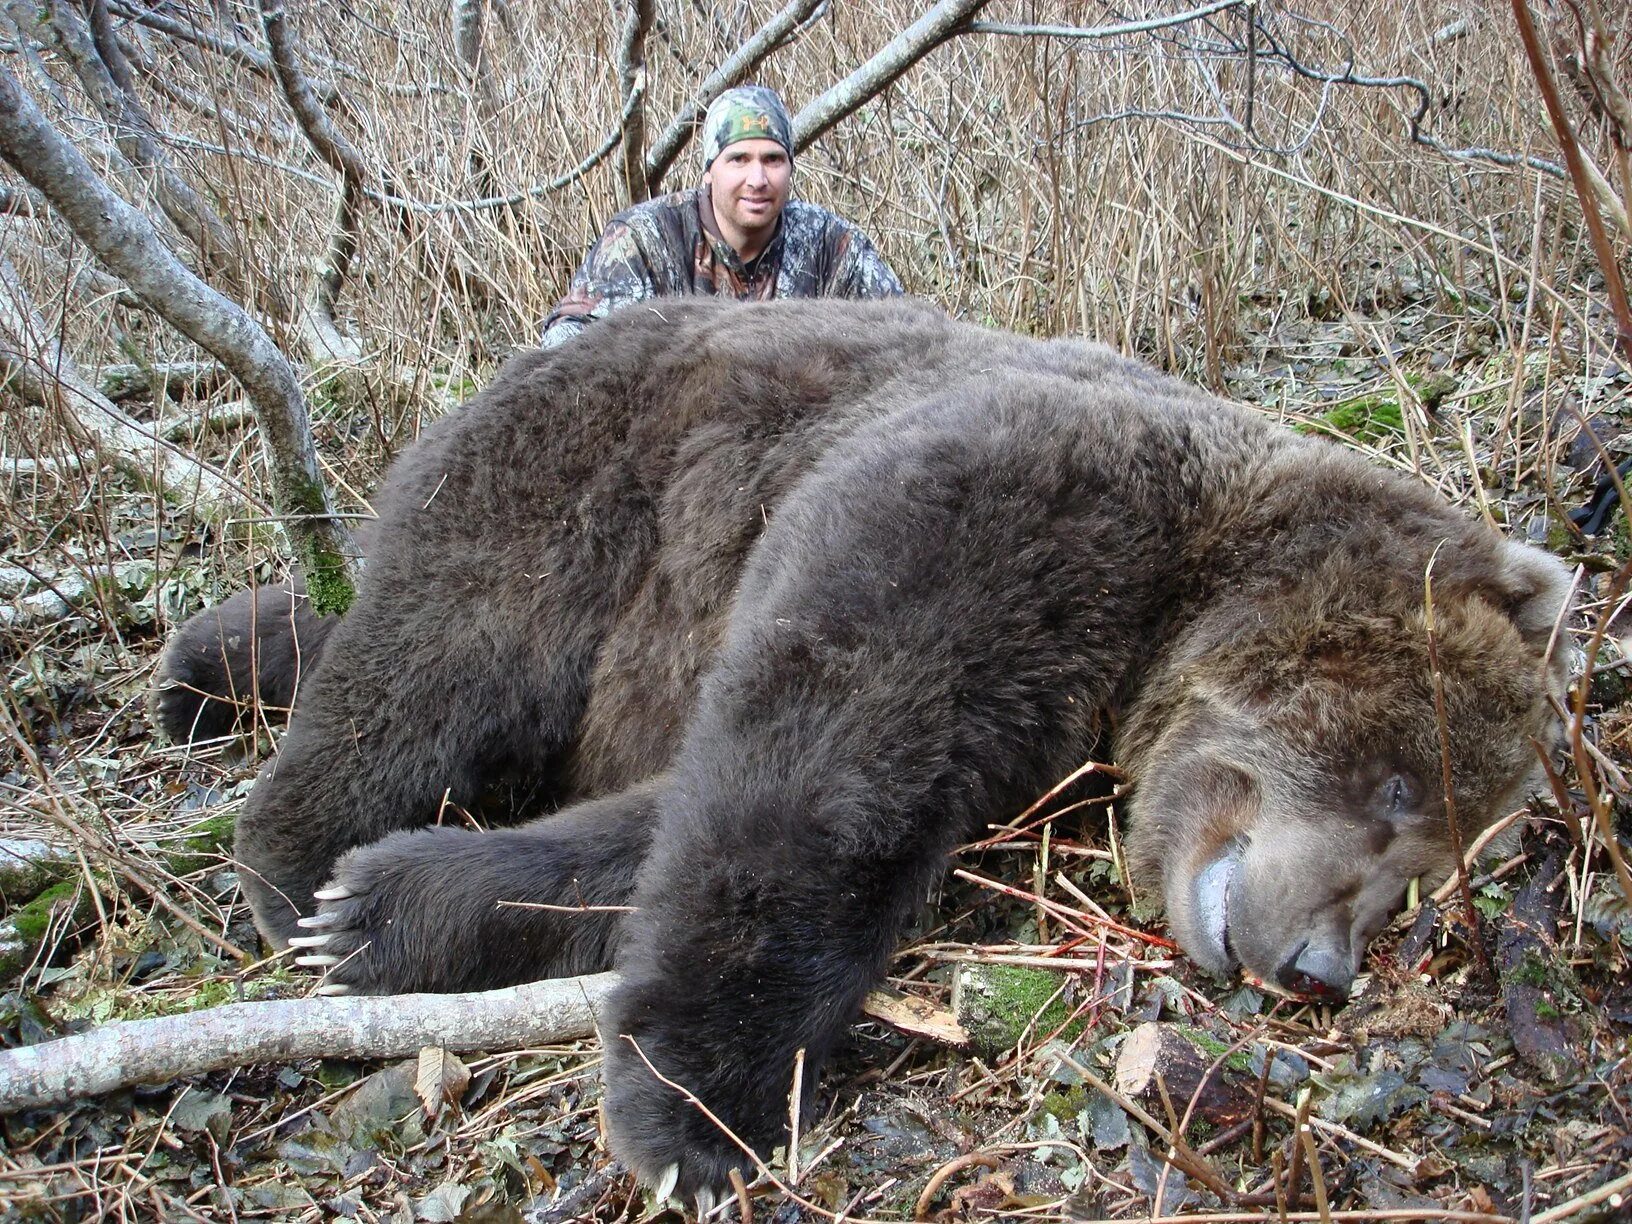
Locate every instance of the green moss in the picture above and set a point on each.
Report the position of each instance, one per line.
(101, 1005)
(28, 926)
(1239, 1061)
(999, 1004)
(1064, 1107)
(34, 919)
(1530, 971)
(1367, 418)
(1376, 417)
(204, 846)
(1432, 389)
(219, 991)
(460, 387)
(1552, 980)
(327, 585)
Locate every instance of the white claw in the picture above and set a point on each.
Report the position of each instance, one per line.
(314, 922)
(334, 892)
(310, 941)
(332, 989)
(666, 1182)
(705, 1202)
(320, 961)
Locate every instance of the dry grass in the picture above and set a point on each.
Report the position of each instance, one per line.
(1329, 264)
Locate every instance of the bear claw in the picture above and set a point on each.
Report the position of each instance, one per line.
(666, 1181)
(308, 941)
(316, 921)
(333, 990)
(319, 961)
(334, 892)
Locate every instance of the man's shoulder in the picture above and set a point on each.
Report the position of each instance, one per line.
(677, 204)
(813, 217)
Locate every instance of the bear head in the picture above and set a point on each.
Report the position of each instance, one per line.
(1291, 750)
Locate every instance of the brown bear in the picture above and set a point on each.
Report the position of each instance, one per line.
(773, 605)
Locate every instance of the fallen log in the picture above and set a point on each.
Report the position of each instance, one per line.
(372, 1027)
(390, 1026)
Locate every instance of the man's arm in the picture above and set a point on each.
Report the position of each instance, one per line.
(860, 271)
(614, 273)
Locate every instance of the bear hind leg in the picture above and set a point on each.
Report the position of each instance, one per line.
(380, 747)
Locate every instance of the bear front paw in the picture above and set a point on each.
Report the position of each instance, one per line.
(697, 1084)
(449, 910)
(364, 937)
(661, 1136)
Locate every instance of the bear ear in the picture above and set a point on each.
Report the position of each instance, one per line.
(1537, 588)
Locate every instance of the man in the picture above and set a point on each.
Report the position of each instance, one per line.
(738, 235)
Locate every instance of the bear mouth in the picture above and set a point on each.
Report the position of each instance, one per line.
(1211, 897)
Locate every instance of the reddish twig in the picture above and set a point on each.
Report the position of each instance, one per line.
(1475, 927)
(1614, 286)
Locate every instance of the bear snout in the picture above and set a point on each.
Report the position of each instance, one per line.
(1317, 969)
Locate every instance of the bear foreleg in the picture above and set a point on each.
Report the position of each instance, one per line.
(452, 910)
(905, 659)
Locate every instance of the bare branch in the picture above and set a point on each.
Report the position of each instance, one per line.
(469, 33)
(1601, 247)
(393, 1026)
(632, 78)
(107, 46)
(426, 207)
(469, 43)
(1255, 52)
(1110, 31)
(249, 57)
(124, 240)
(778, 32)
(161, 79)
(343, 156)
(123, 381)
(946, 20)
(17, 203)
(133, 131)
(1589, 66)
(330, 144)
(337, 256)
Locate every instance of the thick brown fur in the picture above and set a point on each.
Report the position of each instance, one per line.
(778, 603)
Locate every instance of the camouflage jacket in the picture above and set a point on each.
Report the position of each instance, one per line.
(671, 247)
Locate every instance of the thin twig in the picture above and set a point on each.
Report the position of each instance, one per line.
(1453, 826)
(1602, 249)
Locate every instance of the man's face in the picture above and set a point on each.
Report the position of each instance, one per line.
(748, 185)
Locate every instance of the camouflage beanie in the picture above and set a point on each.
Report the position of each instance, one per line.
(748, 112)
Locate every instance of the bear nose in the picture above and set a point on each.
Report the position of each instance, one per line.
(1317, 971)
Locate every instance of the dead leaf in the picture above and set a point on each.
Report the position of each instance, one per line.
(993, 1192)
(441, 1078)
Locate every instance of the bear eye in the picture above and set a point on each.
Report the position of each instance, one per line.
(1398, 797)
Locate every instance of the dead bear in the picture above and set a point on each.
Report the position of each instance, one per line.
(773, 605)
